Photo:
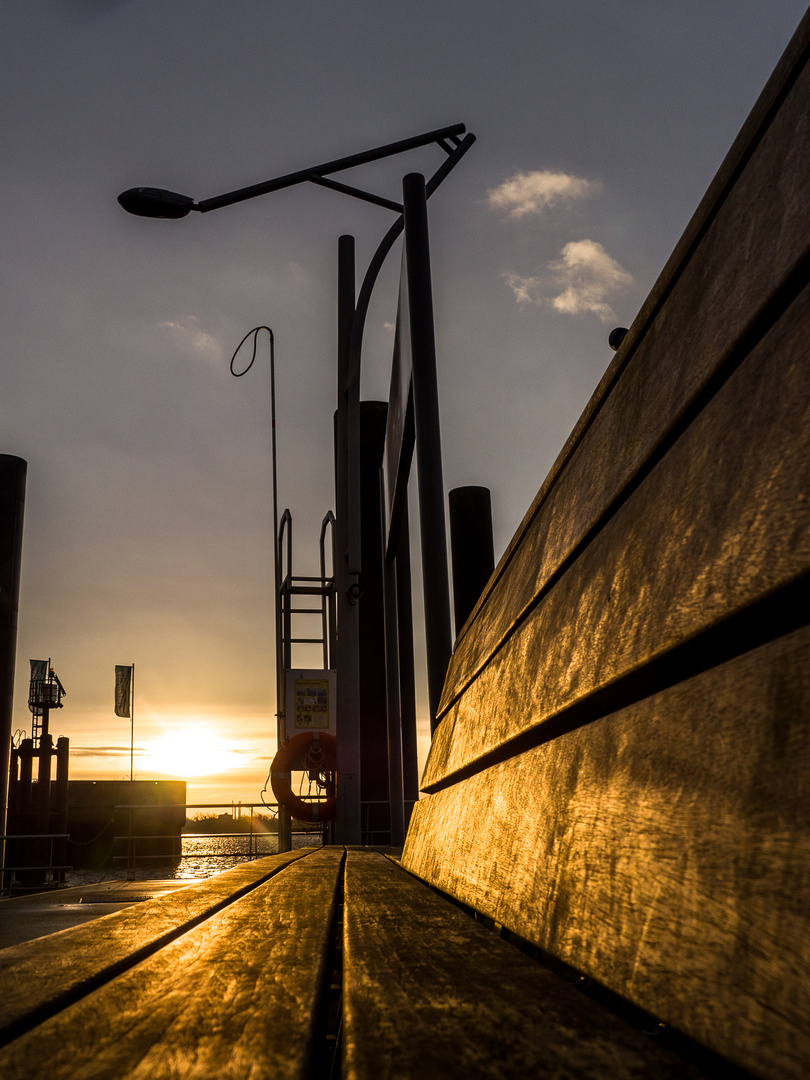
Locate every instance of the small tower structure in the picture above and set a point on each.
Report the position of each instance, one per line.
(37, 810)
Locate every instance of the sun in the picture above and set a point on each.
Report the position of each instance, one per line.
(191, 752)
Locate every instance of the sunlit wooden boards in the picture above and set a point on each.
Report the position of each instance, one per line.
(664, 850)
(621, 774)
(428, 992)
(40, 977)
(235, 996)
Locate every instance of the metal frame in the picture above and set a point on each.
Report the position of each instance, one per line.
(352, 311)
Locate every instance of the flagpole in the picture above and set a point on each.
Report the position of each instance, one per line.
(132, 729)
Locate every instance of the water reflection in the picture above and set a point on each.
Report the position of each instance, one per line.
(203, 856)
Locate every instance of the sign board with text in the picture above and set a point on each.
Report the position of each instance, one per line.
(309, 701)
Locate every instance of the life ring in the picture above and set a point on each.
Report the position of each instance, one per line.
(310, 751)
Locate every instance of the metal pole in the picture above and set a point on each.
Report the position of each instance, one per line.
(394, 715)
(12, 504)
(407, 687)
(276, 541)
(347, 568)
(132, 728)
(435, 579)
(284, 834)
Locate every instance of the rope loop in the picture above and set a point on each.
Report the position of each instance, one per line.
(255, 332)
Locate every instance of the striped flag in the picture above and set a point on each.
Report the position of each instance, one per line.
(123, 690)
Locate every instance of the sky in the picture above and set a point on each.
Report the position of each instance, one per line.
(148, 529)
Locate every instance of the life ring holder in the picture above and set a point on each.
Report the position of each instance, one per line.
(296, 751)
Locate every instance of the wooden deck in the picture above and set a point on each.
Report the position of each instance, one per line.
(241, 976)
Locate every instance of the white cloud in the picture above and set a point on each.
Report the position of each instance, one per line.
(534, 192)
(527, 290)
(192, 338)
(582, 280)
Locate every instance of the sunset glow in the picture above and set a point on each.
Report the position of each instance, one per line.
(191, 752)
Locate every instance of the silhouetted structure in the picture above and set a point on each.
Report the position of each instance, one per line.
(12, 504)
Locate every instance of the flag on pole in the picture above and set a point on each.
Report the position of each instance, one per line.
(39, 670)
(123, 690)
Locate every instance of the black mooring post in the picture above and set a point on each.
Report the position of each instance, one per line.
(12, 504)
(347, 566)
(435, 579)
(59, 803)
(374, 788)
(471, 546)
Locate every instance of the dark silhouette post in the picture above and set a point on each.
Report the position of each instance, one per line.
(12, 503)
(471, 546)
(407, 679)
(347, 567)
(428, 440)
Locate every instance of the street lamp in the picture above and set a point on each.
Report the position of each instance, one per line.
(411, 216)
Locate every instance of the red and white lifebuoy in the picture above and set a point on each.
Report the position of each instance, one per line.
(311, 751)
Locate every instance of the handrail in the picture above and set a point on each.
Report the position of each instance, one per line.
(286, 520)
(246, 810)
(36, 836)
(328, 628)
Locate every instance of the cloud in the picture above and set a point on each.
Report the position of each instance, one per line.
(582, 280)
(527, 290)
(187, 331)
(102, 751)
(534, 192)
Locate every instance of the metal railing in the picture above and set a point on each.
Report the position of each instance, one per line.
(252, 834)
(51, 867)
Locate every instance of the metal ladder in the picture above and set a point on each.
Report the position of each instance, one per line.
(292, 591)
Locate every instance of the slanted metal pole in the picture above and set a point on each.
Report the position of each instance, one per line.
(347, 565)
(428, 440)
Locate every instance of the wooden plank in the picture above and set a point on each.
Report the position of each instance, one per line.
(234, 997)
(38, 977)
(429, 992)
(743, 246)
(720, 522)
(664, 850)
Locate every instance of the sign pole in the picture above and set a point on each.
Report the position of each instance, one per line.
(435, 577)
(132, 728)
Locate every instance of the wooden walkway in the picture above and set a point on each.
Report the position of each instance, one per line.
(240, 976)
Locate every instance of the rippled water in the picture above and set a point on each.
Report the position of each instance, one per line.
(203, 856)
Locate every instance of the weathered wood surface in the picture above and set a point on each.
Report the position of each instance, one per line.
(235, 997)
(41, 976)
(429, 992)
(748, 240)
(664, 850)
(721, 521)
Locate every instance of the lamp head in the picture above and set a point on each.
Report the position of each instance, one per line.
(155, 202)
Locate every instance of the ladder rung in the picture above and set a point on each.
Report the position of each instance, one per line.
(306, 640)
(306, 611)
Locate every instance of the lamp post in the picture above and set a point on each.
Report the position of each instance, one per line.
(276, 553)
(159, 203)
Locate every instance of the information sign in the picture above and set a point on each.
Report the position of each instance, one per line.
(309, 701)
